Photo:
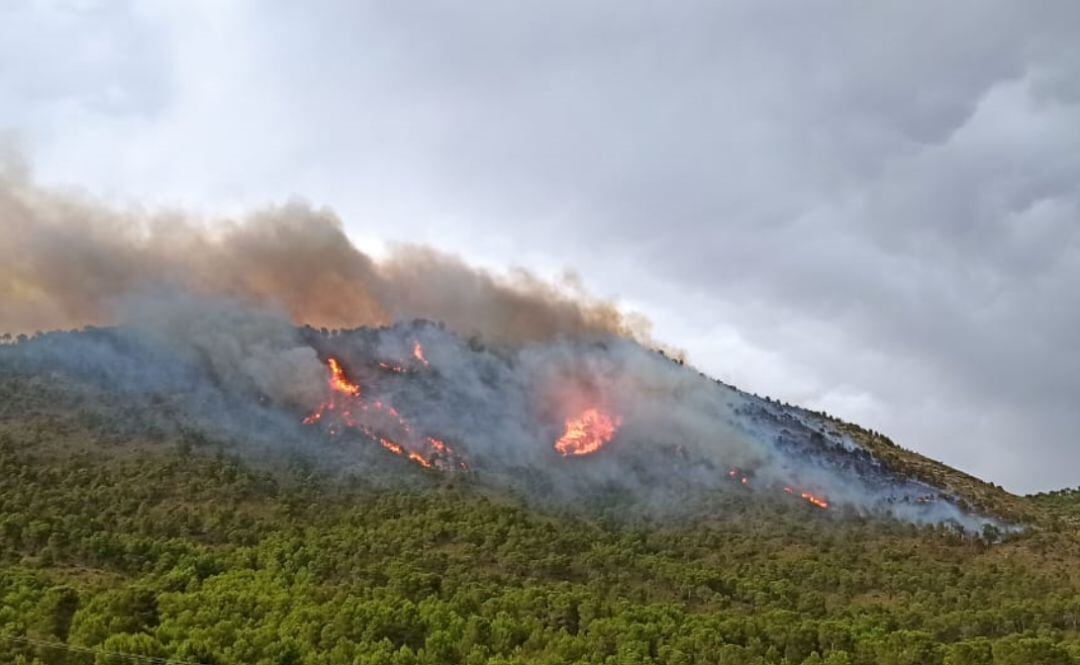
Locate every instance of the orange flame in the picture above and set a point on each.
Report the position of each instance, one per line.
(419, 459)
(437, 444)
(418, 353)
(810, 498)
(338, 382)
(346, 409)
(587, 433)
(816, 501)
(391, 446)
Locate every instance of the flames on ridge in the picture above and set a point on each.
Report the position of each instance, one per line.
(346, 409)
(338, 382)
(809, 498)
(587, 433)
(813, 499)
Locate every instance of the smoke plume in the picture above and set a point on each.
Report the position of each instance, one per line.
(510, 380)
(67, 260)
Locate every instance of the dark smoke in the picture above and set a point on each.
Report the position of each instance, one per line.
(68, 261)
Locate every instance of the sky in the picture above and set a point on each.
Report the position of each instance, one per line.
(865, 208)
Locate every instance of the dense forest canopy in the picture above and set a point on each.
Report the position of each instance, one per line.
(129, 541)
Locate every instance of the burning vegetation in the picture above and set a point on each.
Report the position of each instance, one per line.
(418, 353)
(809, 498)
(650, 428)
(338, 382)
(345, 409)
(587, 433)
(743, 478)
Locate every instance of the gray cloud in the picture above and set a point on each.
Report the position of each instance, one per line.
(868, 209)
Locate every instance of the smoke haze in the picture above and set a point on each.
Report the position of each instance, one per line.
(215, 318)
(68, 261)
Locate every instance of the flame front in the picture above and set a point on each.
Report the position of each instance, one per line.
(809, 498)
(346, 409)
(812, 499)
(587, 433)
(418, 353)
(815, 500)
(338, 382)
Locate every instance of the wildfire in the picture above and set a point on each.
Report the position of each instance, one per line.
(404, 368)
(814, 500)
(338, 382)
(391, 446)
(347, 409)
(587, 433)
(809, 498)
(419, 459)
(418, 353)
(436, 444)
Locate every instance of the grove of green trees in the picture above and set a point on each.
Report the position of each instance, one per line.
(208, 559)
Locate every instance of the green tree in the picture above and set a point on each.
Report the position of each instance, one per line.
(1016, 650)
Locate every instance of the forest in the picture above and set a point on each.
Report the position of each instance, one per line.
(128, 536)
(173, 552)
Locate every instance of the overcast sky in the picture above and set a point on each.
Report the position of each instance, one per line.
(867, 208)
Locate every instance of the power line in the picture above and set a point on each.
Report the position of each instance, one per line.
(151, 660)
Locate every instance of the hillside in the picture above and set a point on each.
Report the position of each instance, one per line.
(559, 421)
(976, 492)
(143, 546)
(128, 526)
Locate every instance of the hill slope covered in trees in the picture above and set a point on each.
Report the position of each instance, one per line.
(124, 539)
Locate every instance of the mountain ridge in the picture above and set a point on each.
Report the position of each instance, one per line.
(971, 493)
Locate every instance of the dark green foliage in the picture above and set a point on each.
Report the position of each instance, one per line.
(209, 560)
(122, 537)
